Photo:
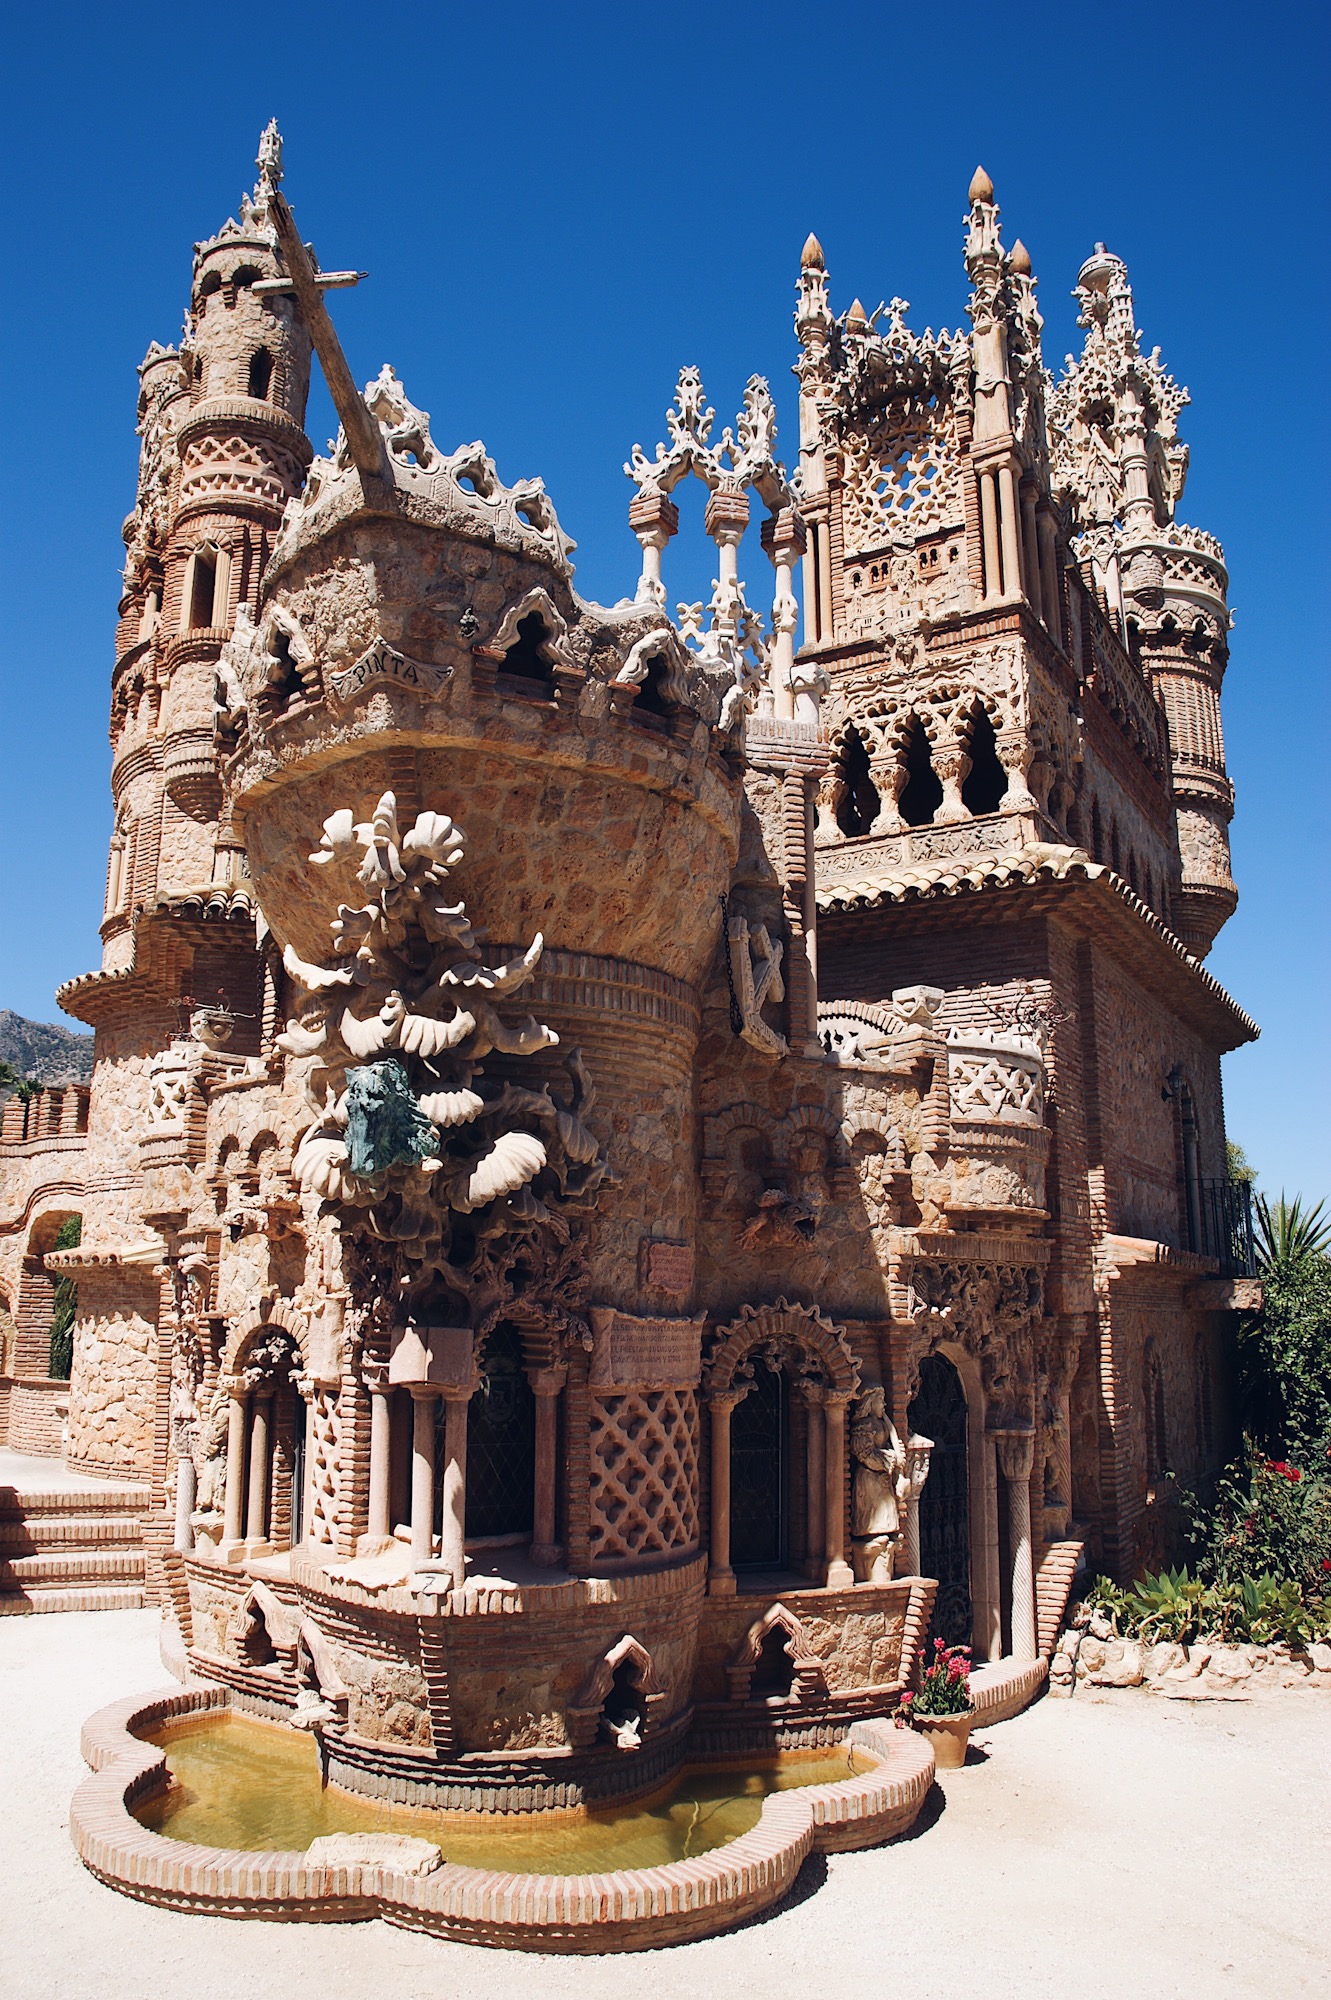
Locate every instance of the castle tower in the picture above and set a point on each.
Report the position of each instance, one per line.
(938, 593)
(1120, 468)
(222, 452)
(1026, 808)
(241, 454)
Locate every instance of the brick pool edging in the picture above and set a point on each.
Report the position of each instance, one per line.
(630, 1909)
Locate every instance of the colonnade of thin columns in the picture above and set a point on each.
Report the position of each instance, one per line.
(825, 1481)
(429, 1474)
(1019, 545)
(249, 1465)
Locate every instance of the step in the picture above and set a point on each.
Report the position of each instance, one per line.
(19, 1504)
(81, 1597)
(72, 1566)
(85, 1531)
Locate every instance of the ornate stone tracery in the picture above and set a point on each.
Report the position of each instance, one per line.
(390, 1045)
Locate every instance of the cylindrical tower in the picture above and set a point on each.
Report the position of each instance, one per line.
(1175, 588)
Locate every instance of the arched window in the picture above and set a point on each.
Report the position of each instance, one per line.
(1157, 1448)
(261, 374)
(922, 794)
(986, 782)
(778, 1385)
(203, 588)
(265, 1491)
(526, 658)
(501, 1445)
(759, 1474)
(857, 801)
(939, 1412)
(652, 698)
(1097, 833)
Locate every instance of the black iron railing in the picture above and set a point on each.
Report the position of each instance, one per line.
(1226, 1219)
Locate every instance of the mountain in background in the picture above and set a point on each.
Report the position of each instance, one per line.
(44, 1052)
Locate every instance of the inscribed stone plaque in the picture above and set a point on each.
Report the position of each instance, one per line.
(382, 663)
(633, 1353)
(667, 1267)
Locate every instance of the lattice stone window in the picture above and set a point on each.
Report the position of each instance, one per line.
(898, 480)
(644, 1474)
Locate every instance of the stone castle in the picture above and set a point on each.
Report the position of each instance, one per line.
(633, 1164)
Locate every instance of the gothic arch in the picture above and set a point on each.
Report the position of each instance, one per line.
(538, 603)
(805, 1119)
(281, 1316)
(795, 1332)
(629, 1663)
(807, 1679)
(986, 782)
(663, 649)
(744, 1117)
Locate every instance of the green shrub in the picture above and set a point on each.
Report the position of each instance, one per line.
(1268, 1517)
(66, 1301)
(1262, 1609)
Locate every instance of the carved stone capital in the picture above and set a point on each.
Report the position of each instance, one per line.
(1016, 1452)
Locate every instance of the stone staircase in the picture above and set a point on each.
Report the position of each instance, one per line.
(68, 1543)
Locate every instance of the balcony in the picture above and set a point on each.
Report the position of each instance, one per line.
(1225, 1219)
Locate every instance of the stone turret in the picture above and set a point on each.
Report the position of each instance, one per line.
(242, 453)
(1120, 467)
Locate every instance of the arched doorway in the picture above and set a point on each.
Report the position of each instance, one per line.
(939, 1412)
(501, 1444)
(759, 1473)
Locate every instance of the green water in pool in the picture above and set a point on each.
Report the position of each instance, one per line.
(237, 1782)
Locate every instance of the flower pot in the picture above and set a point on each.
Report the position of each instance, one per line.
(947, 1736)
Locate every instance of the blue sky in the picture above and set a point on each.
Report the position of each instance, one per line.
(559, 206)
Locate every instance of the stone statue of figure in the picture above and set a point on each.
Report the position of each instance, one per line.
(210, 1497)
(881, 1489)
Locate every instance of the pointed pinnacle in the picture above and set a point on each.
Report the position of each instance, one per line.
(811, 256)
(981, 187)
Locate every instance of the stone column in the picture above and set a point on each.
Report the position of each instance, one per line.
(453, 1531)
(654, 519)
(720, 1576)
(378, 1528)
(422, 1473)
(987, 1599)
(547, 1387)
(951, 767)
(1007, 525)
(309, 1390)
(993, 568)
(1030, 548)
(826, 612)
(186, 1482)
(815, 1480)
(725, 518)
(919, 1451)
(1016, 1453)
(840, 1575)
(1053, 609)
(233, 1517)
(256, 1518)
(784, 538)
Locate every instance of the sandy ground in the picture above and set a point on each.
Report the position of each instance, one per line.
(1103, 1845)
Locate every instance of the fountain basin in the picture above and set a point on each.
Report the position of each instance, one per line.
(619, 1909)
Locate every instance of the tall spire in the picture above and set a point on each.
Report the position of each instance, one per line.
(269, 159)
